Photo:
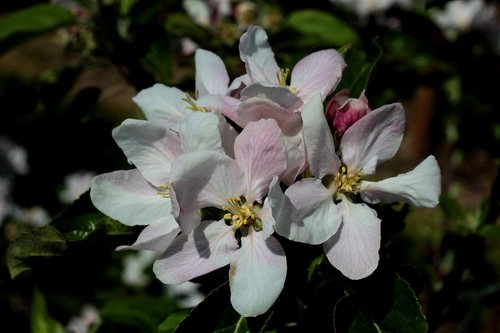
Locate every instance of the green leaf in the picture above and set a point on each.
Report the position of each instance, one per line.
(143, 312)
(172, 321)
(181, 25)
(452, 208)
(404, 316)
(39, 244)
(360, 66)
(490, 231)
(24, 24)
(324, 26)
(215, 312)
(41, 321)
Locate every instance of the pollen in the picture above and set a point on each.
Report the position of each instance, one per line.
(347, 180)
(241, 214)
(164, 191)
(193, 106)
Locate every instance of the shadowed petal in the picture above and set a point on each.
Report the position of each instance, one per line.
(163, 105)
(373, 139)
(205, 249)
(200, 131)
(420, 187)
(319, 72)
(314, 217)
(353, 250)
(211, 73)
(318, 140)
(258, 56)
(155, 237)
(257, 274)
(260, 153)
(151, 148)
(127, 197)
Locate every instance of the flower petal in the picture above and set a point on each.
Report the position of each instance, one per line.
(127, 197)
(373, 139)
(258, 56)
(318, 140)
(260, 153)
(204, 179)
(200, 131)
(205, 249)
(353, 250)
(314, 217)
(211, 74)
(257, 108)
(279, 95)
(151, 148)
(156, 237)
(257, 274)
(163, 105)
(319, 72)
(420, 187)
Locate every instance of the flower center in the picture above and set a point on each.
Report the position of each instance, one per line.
(281, 76)
(241, 215)
(193, 106)
(347, 180)
(164, 191)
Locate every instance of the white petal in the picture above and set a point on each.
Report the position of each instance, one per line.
(279, 95)
(258, 56)
(318, 140)
(127, 197)
(257, 274)
(353, 250)
(420, 187)
(163, 105)
(204, 179)
(373, 139)
(313, 217)
(205, 249)
(151, 148)
(155, 237)
(319, 72)
(211, 73)
(295, 159)
(260, 153)
(200, 131)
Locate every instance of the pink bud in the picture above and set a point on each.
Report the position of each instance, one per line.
(343, 111)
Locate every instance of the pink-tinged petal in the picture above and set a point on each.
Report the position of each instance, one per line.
(127, 197)
(220, 104)
(204, 179)
(203, 250)
(228, 136)
(320, 149)
(314, 217)
(163, 105)
(319, 72)
(258, 56)
(295, 160)
(279, 95)
(256, 108)
(211, 73)
(353, 250)
(267, 218)
(151, 148)
(373, 139)
(259, 151)
(257, 274)
(155, 237)
(238, 85)
(193, 139)
(420, 187)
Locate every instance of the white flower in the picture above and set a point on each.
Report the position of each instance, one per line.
(75, 184)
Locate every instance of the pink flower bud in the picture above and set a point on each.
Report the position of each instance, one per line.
(342, 111)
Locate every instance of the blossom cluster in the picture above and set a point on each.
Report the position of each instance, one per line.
(218, 174)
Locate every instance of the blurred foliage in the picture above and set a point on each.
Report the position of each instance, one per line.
(68, 72)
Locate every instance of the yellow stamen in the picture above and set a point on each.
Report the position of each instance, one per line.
(193, 106)
(241, 214)
(164, 191)
(347, 180)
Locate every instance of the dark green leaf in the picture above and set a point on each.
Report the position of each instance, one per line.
(360, 66)
(181, 25)
(142, 312)
(42, 243)
(172, 321)
(452, 208)
(30, 22)
(324, 26)
(41, 321)
(490, 231)
(404, 316)
(240, 327)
